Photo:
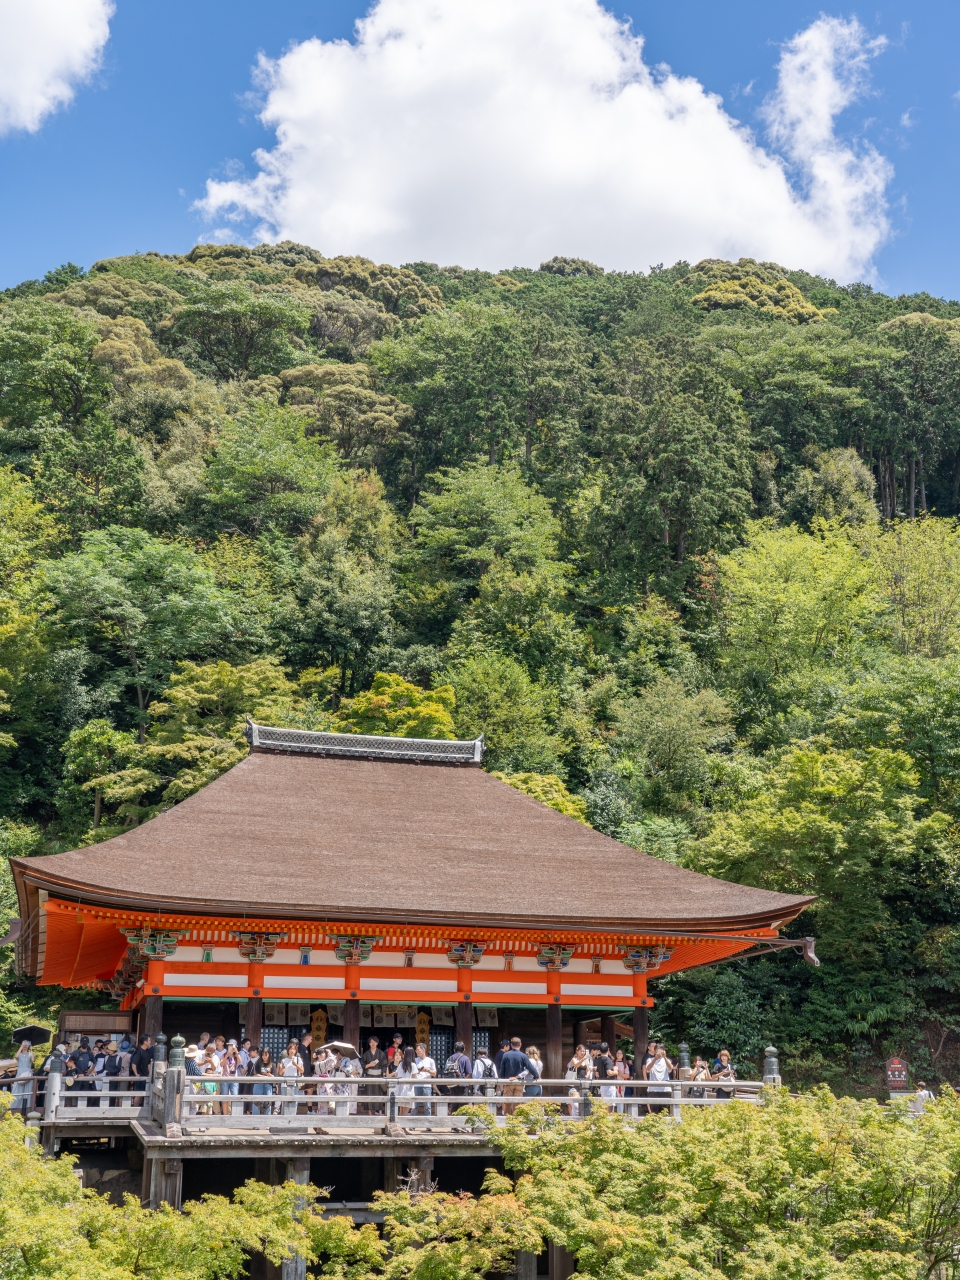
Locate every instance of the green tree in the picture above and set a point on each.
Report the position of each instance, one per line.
(813, 1186)
(671, 478)
(793, 608)
(265, 473)
(140, 605)
(48, 375)
(478, 518)
(549, 790)
(91, 479)
(670, 733)
(835, 485)
(485, 382)
(196, 733)
(917, 571)
(496, 698)
(90, 752)
(395, 708)
(233, 331)
(844, 827)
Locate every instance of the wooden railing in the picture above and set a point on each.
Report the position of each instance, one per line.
(89, 1098)
(198, 1103)
(348, 1102)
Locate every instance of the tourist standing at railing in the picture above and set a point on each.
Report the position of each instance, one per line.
(532, 1088)
(580, 1067)
(394, 1054)
(324, 1065)
(405, 1074)
(290, 1069)
(512, 1066)
(99, 1062)
(660, 1071)
(426, 1070)
(230, 1069)
(82, 1070)
(346, 1069)
(606, 1072)
(23, 1085)
(700, 1074)
(373, 1065)
(261, 1064)
(623, 1070)
(113, 1067)
(723, 1070)
(457, 1065)
(483, 1069)
(498, 1056)
(140, 1062)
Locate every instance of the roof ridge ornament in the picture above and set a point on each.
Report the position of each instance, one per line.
(365, 746)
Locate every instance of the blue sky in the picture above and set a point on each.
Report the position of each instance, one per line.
(119, 169)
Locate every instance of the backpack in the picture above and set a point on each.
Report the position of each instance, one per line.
(454, 1065)
(489, 1071)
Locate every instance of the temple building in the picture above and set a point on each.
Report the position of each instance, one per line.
(350, 883)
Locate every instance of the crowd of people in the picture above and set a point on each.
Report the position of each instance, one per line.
(223, 1069)
(100, 1066)
(513, 1072)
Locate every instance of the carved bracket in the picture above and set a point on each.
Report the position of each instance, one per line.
(257, 947)
(554, 958)
(644, 959)
(127, 976)
(153, 944)
(465, 954)
(351, 949)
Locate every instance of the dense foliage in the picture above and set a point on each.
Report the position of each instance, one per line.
(808, 1188)
(682, 546)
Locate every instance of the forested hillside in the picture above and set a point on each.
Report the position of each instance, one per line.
(682, 546)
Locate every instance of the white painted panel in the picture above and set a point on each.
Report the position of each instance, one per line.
(305, 984)
(205, 980)
(407, 984)
(592, 989)
(518, 988)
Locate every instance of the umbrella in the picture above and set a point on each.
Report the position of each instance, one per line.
(33, 1033)
(341, 1046)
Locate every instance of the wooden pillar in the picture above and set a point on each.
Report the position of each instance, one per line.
(253, 1026)
(608, 1031)
(151, 1016)
(168, 1183)
(641, 1034)
(463, 1028)
(562, 1263)
(297, 1171)
(351, 1023)
(554, 1043)
(580, 1031)
(391, 1173)
(526, 1266)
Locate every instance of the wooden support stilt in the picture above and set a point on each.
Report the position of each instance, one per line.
(351, 1023)
(608, 1031)
(463, 1026)
(151, 1016)
(253, 1026)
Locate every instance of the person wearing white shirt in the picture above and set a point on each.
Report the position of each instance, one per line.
(426, 1070)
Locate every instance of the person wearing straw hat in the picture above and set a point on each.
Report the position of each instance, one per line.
(113, 1067)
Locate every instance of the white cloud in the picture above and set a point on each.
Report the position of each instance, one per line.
(501, 132)
(47, 47)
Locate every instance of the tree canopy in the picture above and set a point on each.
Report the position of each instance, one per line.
(682, 546)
